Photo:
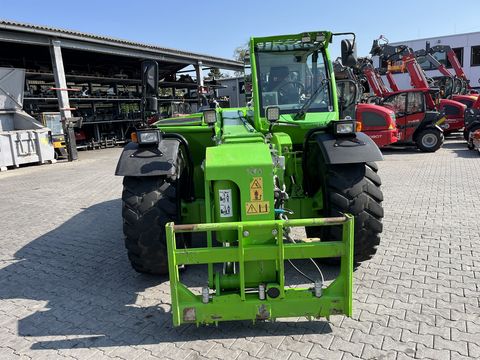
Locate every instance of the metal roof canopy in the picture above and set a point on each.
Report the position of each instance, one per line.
(40, 35)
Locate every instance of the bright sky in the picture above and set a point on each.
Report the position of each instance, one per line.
(216, 27)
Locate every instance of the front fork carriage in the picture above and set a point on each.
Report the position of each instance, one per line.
(245, 295)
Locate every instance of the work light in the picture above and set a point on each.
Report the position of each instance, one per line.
(148, 137)
(273, 113)
(320, 37)
(210, 117)
(345, 127)
(306, 38)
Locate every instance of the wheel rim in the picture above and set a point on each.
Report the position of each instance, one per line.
(429, 140)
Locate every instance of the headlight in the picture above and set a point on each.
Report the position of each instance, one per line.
(148, 137)
(344, 127)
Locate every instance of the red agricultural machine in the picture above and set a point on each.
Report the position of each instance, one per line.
(472, 122)
(402, 58)
(416, 116)
(376, 121)
(453, 86)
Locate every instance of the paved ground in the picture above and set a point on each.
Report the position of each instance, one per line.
(67, 290)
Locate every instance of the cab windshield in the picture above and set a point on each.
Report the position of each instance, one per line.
(288, 79)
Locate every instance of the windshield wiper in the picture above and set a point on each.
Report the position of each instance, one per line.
(301, 112)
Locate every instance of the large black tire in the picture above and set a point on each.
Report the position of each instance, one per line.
(430, 140)
(353, 189)
(148, 204)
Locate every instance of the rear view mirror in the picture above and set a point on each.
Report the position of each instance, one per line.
(150, 85)
(349, 52)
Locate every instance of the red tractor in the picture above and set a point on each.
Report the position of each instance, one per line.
(416, 115)
(453, 110)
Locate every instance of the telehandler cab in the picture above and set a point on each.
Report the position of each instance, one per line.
(245, 176)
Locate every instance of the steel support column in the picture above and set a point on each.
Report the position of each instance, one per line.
(63, 101)
(198, 70)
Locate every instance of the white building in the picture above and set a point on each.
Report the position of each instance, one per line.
(466, 47)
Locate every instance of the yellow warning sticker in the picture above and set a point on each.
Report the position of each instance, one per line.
(257, 207)
(256, 194)
(256, 189)
(256, 183)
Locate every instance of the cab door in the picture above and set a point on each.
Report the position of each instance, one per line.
(409, 107)
(454, 113)
(347, 93)
(398, 103)
(415, 112)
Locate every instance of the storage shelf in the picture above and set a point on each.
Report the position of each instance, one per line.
(84, 79)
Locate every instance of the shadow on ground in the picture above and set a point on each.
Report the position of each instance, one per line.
(94, 298)
(461, 150)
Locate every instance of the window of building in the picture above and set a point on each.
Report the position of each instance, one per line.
(475, 59)
(459, 53)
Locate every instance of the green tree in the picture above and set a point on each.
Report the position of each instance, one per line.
(214, 73)
(239, 54)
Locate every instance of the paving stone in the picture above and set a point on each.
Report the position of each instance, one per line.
(269, 352)
(319, 352)
(365, 338)
(301, 347)
(455, 345)
(370, 352)
(394, 333)
(424, 352)
(347, 346)
(408, 336)
(434, 330)
(399, 346)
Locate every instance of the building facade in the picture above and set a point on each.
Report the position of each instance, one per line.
(466, 46)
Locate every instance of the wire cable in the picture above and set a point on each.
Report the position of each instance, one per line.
(313, 261)
(300, 271)
(284, 216)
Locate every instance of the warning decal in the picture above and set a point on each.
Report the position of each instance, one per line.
(256, 189)
(256, 183)
(225, 197)
(257, 207)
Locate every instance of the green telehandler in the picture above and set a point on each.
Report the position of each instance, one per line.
(244, 177)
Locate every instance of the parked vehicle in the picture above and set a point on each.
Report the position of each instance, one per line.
(378, 122)
(402, 58)
(245, 176)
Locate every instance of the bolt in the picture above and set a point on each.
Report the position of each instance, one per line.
(274, 232)
(246, 233)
